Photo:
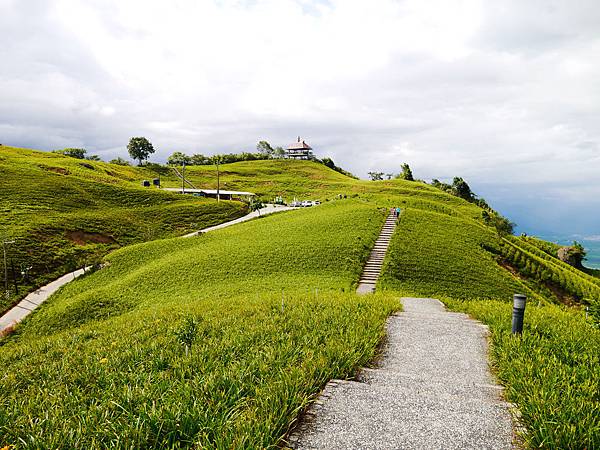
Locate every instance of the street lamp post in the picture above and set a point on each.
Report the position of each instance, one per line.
(218, 183)
(183, 177)
(4, 244)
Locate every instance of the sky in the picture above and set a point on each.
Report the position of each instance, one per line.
(505, 94)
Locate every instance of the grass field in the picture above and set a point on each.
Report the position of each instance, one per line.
(218, 341)
(104, 360)
(63, 215)
(433, 255)
(552, 372)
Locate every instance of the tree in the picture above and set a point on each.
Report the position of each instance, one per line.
(461, 189)
(406, 173)
(389, 176)
(578, 254)
(279, 152)
(119, 161)
(93, 158)
(78, 153)
(328, 162)
(265, 148)
(140, 148)
(197, 159)
(255, 205)
(178, 158)
(442, 186)
(503, 226)
(376, 176)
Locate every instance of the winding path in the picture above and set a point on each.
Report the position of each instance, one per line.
(433, 390)
(36, 298)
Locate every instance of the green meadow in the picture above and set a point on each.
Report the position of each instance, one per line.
(221, 340)
(215, 341)
(64, 212)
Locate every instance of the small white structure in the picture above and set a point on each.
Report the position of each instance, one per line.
(212, 193)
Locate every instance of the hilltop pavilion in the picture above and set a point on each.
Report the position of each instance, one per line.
(299, 150)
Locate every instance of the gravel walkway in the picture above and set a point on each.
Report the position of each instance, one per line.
(432, 391)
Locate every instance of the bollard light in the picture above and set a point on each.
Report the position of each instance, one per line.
(519, 301)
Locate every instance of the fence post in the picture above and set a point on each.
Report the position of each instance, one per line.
(519, 301)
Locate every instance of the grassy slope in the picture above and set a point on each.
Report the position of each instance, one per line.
(441, 248)
(45, 197)
(433, 255)
(552, 373)
(124, 380)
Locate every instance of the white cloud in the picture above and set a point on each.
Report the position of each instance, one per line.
(502, 93)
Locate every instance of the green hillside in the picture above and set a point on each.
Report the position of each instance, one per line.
(65, 212)
(220, 341)
(267, 340)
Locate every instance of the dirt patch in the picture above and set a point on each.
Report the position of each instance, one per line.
(59, 170)
(84, 238)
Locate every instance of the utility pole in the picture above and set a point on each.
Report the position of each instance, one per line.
(183, 176)
(218, 183)
(4, 244)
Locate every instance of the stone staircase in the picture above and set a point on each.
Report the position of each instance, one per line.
(372, 268)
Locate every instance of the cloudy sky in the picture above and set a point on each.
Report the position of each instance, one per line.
(503, 93)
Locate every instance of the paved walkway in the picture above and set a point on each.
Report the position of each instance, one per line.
(433, 390)
(268, 209)
(372, 270)
(36, 298)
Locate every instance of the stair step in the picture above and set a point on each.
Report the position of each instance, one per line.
(372, 268)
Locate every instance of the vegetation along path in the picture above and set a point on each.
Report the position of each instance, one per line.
(36, 298)
(372, 269)
(433, 390)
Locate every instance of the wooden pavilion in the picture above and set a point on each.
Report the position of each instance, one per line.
(299, 150)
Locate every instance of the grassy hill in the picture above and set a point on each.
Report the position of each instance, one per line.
(219, 341)
(65, 212)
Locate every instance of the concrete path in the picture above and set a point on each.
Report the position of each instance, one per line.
(33, 300)
(372, 270)
(268, 209)
(432, 391)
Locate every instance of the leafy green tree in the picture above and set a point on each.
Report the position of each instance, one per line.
(119, 161)
(255, 205)
(265, 148)
(140, 148)
(578, 254)
(440, 185)
(93, 158)
(198, 159)
(279, 152)
(461, 189)
(178, 158)
(376, 176)
(406, 173)
(328, 162)
(78, 153)
(503, 226)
